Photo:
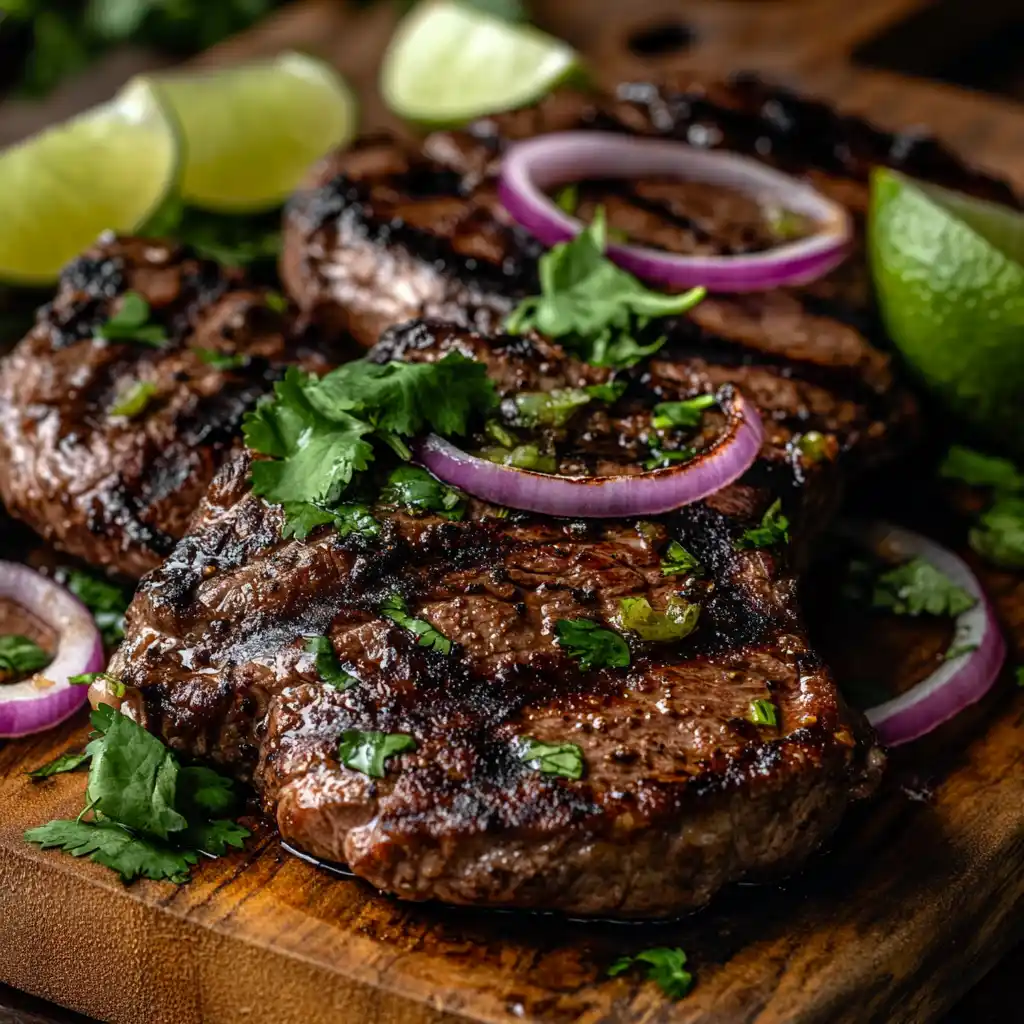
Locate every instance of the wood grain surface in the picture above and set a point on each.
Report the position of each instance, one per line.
(919, 896)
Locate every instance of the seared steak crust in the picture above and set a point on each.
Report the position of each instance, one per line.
(118, 490)
(215, 663)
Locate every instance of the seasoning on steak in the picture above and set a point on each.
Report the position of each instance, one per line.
(118, 490)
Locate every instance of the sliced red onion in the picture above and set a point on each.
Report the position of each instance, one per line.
(955, 684)
(531, 168)
(603, 497)
(47, 698)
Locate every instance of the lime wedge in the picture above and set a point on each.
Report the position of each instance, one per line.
(448, 63)
(110, 167)
(252, 131)
(949, 271)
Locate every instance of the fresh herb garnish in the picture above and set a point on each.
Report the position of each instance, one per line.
(764, 712)
(221, 360)
(665, 966)
(1019, 675)
(367, 752)
(131, 322)
(107, 602)
(677, 561)
(116, 687)
(276, 301)
(677, 621)
(980, 470)
(611, 391)
(567, 198)
(593, 306)
(662, 458)
(395, 609)
(135, 400)
(998, 535)
(60, 765)
(523, 456)
(918, 587)
(149, 816)
(591, 645)
(327, 665)
(549, 408)
(774, 529)
(418, 492)
(958, 651)
(688, 413)
(565, 759)
(302, 518)
(21, 656)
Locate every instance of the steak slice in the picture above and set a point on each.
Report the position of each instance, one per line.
(118, 490)
(682, 791)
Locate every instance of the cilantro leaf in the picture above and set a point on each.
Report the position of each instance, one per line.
(609, 392)
(774, 529)
(677, 621)
(327, 665)
(60, 765)
(417, 491)
(20, 656)
(221, 360)
(591, 645)
(215, 837)
(567, 198)
(395, 609)
(677, 561)
(763, 712)
(665, 966)
(565, 759)
(107, 602)
(203, 793)
(687, 413)
(998, 535)
(977, 469)
(367, 752)
(135, 400)
(131, 322)
(303, 517)
(662, 458)
(133, 780)
(918, 587)
(88, 678)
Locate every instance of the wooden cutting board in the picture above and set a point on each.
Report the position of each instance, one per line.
(919, 896)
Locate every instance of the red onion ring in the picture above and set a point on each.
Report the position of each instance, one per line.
(47, 698)
(955, 684)
(605, 497)
(532, 167)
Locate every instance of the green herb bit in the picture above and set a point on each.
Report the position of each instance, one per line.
(976, 469)
(21, 656)
(687, 413)
(131, 323)
(998, 535)
(917, 587)
(565, 759)
(500, 434)
(567, 198)
(677, 621)
(327, 665)
(787, 225)
(60, 765)
(814, 447)
(665, 966)
(764, 712)
(591, 645)
(662, 458)
(116, 687)
(611, 391)
(276, 302)
(677, 561)
(395, 609)
(958, 651)
(135, 400)
(107, 602)
(523, 456)
(367, 752)
(774, 529)
(221, 360)
(418, 492)
(1019, 675)
(350, 519)
(549, 408)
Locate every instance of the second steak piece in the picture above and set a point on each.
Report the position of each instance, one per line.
(107, 444)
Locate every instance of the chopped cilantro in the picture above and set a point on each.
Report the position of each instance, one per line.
(611, 391)
(591, 645)
(221, 360)
(523, 456)
(593, 306)
(916, 588)
(567, 198)
(688, 413)
(21, 656)
(980, 470)
(275, 301)
(60, 765)
(665, 966)
(677, 621)
(135, 400)
(107, 602)
(774, 529)
(763, 712)
(958, 651)
(662, 458)
(303, 517)
(549, 408)
(367, 752)
(415, 490)
(327, 665)
(998, 535)
(677, 561)
(565, 759)
(117, 688)
(395, 609)
(131, 322)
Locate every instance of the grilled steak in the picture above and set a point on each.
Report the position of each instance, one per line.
(118, 490)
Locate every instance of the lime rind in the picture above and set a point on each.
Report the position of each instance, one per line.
(252, 131)
(109, 168)
(447, 64)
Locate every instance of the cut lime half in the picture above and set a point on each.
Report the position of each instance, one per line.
(110, 167)
(448, 63)
(949, 271)
(252, 131)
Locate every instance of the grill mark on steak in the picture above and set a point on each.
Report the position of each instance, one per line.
(119, 492)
